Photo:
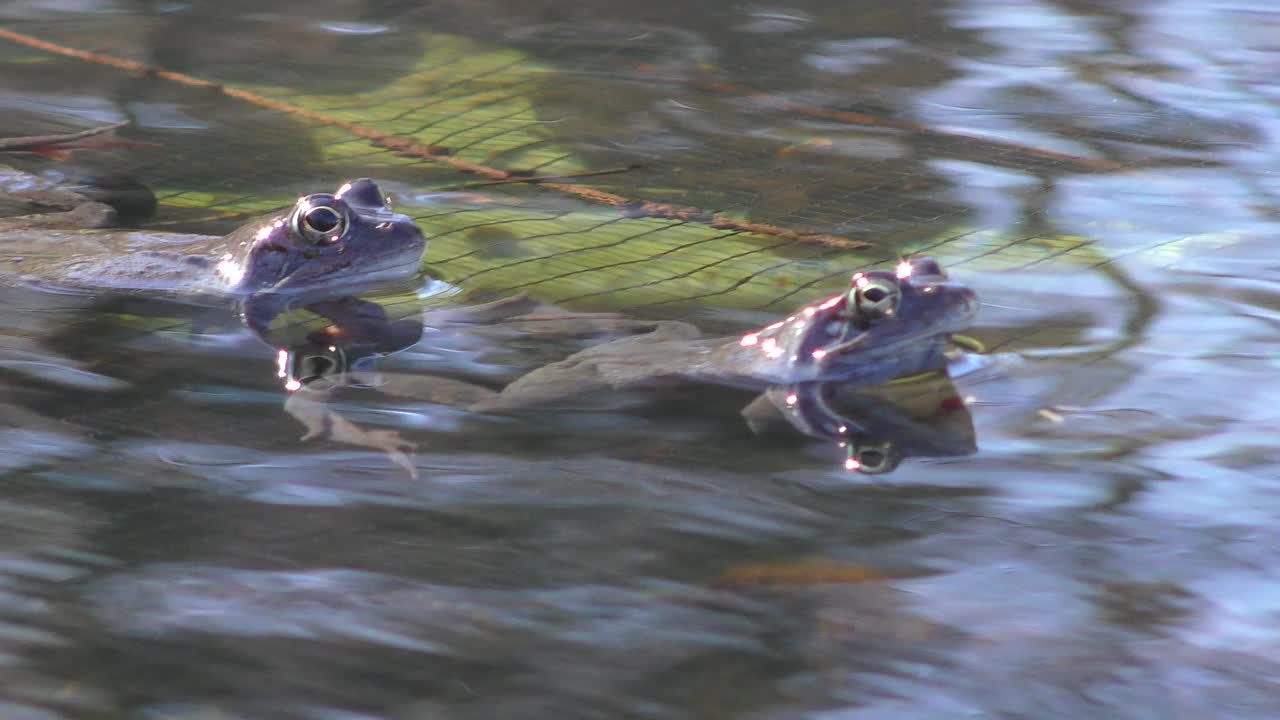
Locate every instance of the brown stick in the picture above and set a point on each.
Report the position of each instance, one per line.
(436, 154)
(536, 179)
(39, 142)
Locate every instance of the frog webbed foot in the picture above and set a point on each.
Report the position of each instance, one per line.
(397, 449)
(309, 406)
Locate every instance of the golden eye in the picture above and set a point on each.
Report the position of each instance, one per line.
(873, 299)
(318, 221)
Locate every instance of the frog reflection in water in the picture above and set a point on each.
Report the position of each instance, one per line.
(875, 427)
(327, 245)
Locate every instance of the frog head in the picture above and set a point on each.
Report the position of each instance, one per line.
(885, 325)
(325, 245)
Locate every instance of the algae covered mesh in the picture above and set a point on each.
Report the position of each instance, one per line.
(527, 173)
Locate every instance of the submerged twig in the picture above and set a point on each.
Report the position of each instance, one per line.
(57, 143)
(409, 147)
(535, 179)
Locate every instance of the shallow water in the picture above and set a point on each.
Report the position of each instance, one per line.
(169, 549)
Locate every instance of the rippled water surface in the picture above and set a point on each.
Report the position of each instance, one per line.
(1100, 173)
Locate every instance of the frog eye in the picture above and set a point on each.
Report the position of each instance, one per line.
(874, 298)
(319, 221)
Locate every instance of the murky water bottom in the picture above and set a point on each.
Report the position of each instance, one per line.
(169, 549)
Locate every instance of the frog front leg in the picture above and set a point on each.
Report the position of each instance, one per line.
(309, 405)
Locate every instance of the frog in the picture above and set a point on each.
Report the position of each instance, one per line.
(326, 245)
(320, 254)
(886, 324)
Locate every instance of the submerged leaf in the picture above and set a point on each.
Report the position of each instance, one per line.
(468, 111)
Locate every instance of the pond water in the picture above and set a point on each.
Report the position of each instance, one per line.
(1100, 173)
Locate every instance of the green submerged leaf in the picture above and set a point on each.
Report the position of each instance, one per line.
(481, 103)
